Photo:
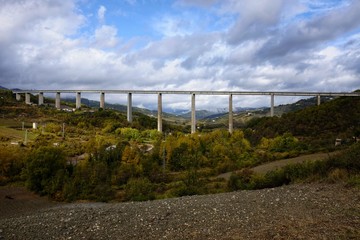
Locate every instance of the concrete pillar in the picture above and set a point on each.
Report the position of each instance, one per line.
(27, 98)
(193, 114)
(41, 98)
(272, 105)
(102, 100)
(160, 112)
(18, 96)
(57, 101)
(318, 100)
(129, 108)
(78, 100)
(231, 119)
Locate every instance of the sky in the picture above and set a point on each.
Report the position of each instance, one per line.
(230, 45)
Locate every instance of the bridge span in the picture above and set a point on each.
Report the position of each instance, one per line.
(129, 93)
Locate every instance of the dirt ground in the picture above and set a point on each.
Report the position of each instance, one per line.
(15, 201)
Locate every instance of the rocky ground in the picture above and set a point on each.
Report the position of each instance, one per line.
(306, 211)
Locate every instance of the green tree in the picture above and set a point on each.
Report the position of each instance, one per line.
(139, 189)
(12, 161)
(45, 170)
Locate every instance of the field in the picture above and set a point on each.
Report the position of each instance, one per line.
(11, 131)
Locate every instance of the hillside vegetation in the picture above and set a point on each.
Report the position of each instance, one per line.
(97, 155)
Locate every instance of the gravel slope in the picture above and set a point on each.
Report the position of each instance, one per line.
(314, 211)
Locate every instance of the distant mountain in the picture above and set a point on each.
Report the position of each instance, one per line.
(246, 109)
(185, 114)
(200, 114)
(176, 112)
(4, 88)
(301, 104)
(120, 107)
(217, 115)
(96, 104)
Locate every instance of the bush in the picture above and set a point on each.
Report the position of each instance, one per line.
(139, 189)
(12, 161)
(349, 159)
(241, 180)
(340, 168)
(45, 170)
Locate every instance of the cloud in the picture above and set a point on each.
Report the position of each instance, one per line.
(170, 26)
(202, 3)
(106, 37)
(254, 18)
(280, 45)
(101, 14)
(32, 34)
(310, 33)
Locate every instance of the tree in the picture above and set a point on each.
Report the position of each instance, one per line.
(46, 170)
(11, 163)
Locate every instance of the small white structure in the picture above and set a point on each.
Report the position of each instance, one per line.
(35, 125)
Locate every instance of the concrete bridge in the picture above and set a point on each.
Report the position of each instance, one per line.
(129, 93)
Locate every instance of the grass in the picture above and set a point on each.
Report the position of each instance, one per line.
(11, 123)
(14, 134)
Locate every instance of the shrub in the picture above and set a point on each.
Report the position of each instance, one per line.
(337, 175)
(45, 170)
(139, 189)
(12, 160)
(241, 180)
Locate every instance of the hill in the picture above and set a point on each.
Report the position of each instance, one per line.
(96, 154)
(318, 125)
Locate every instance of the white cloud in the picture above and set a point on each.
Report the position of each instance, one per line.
(106, 37)
(202, 3)
(101, 14)
(271, 45)
(170, 26)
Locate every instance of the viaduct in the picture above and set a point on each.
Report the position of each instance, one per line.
(160, 93)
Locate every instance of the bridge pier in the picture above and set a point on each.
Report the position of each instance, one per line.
(102, 100)
(41, 98)
(318, 100)
(231, 119)
(272, 105)
(129, 108)
(18, 96)
(27, 98)
(193, 114)
(57, 101)
(78, 100)
(159, 112)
